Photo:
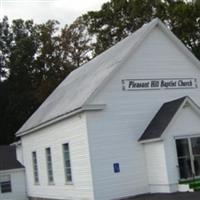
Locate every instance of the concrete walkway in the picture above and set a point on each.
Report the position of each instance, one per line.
(174, 196)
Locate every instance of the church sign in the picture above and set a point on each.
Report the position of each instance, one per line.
(158, 84)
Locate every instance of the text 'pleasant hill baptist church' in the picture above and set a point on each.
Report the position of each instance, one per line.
(143, 84)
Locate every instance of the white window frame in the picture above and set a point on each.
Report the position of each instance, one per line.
(69, 167)
(49, 166)
(5, 179)
(35, 168)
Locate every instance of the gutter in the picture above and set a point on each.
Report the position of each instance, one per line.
(91, 107)
(150, 140)
(4, 171)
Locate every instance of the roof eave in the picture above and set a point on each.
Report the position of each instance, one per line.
(178, 43)
(17, 143)
(150, 140)
(161, 138)
(3, 171)
(91, 107)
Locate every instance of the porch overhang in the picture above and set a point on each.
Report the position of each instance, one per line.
(165, 115)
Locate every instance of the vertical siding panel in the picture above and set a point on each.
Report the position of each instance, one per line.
(186, 124)
(18, 185)
(113, 133)
(157, 167)
(74, 132)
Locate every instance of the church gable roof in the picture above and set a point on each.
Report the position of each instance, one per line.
(74, 93)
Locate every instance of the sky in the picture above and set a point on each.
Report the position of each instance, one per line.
(65, 11)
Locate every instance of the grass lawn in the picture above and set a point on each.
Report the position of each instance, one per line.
(194, 184)
(173, 196)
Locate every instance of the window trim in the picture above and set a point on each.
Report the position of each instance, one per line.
(10, 184)
(36, 182)
(67, 182)
(48, 175)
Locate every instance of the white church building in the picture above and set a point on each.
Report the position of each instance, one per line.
(123, 124)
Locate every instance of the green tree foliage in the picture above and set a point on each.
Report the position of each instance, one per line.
(49, 66)
(17, 100)
(119, 18)
(184, 21)
(34, 62)
(5, 42)
(77, 42)
(35, 58)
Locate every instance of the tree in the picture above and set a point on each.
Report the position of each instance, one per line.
(76, 42)
(184, 21)
(18, 101)
(5, 43)
(48, 65)
(35, 58)
(119, 18)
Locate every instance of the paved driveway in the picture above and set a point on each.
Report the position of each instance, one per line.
(174, 196)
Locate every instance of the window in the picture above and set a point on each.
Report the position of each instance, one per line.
(5, 184)
(49, 165)
(67, 163)
(35, 167)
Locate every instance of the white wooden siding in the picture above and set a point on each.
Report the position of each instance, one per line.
(186, 124)
(156, 167)
(18, 185)
(74, 132)
(19, 153)
(113, 133)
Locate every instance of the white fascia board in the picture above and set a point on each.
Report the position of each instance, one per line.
(187, 100)
(11, 170)
(120, 64)
(151, 140)
(179, 43)
(89, 107)
(193, 106)
(18, 143)
(156, 22)
(92, 107)
(172, 120)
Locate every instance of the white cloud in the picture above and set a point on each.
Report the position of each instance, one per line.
(65, 11)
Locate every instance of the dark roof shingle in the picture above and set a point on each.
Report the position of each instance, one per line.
(8, 158)
(162, 119)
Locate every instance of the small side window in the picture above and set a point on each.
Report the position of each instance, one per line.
(5, 184)
(67, 163)
(49, 166)
(35, 167)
